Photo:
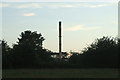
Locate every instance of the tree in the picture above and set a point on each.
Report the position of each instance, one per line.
(27, 49)
(118, 39)
(118, 47)
(102, 52)
(5, 48)
(6, 55)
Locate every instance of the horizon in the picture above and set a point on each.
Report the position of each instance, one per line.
(82, 22)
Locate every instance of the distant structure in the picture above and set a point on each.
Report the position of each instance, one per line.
(60, 55)
(60, 40)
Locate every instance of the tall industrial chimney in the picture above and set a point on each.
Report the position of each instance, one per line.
(60, 44)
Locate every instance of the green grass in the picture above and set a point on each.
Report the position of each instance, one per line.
(60, 73)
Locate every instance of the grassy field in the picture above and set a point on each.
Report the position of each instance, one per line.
(61, 73)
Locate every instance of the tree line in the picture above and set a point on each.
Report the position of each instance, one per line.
(28, 52)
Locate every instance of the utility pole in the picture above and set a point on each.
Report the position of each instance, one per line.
(60, 44)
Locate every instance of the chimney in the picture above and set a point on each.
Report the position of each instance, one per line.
(60, 37)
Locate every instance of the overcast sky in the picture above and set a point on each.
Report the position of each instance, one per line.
(82, 22)
(60, 1)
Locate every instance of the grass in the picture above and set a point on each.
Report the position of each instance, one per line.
(60, 73)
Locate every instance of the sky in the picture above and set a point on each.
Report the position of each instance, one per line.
(60, 1)
(82, 22)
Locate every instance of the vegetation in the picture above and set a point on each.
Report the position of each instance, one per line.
(55, 74)
(103, 53)
(29, 53)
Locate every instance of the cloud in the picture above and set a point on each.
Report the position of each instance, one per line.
(96, 5)
(29, 14)
(115, 22)
(4, 5)
(77, 5)
(43, 5)
(80, 27)
(56, 5)
(30, 5)
(60, 1)
(62, 5)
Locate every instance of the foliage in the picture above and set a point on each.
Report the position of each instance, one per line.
(101, 53)
(29, 53)
(5, 47)
(6, 54)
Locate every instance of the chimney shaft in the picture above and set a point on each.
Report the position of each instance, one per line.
(60, 49)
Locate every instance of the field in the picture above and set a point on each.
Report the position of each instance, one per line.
(61, 73)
